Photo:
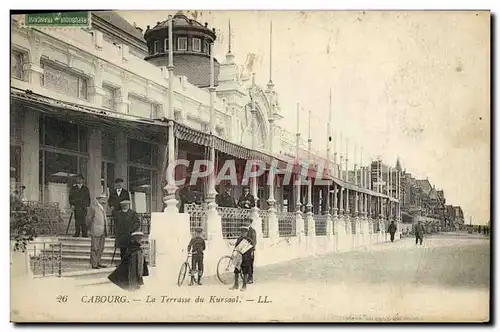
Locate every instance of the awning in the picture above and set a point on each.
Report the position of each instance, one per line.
(71, 111)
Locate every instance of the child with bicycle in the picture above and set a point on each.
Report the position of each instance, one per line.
(197, 246)
(243, 250)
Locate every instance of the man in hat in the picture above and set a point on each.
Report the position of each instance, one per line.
(186, 196)
(126, 222)
(252, 234)
(79, 200)
(419, 233)
(197, 246)
(243, 249)
(246, 201)
(96, 225)
(392, 230)
(117, 195)
(133, 267)
(225, 199)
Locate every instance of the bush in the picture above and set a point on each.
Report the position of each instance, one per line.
(23, 219)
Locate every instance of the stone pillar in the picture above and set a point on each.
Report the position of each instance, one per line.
(94, 162)
(96, 91)
(30, 154)
(121, 167)
(122, 102)
(32, 69)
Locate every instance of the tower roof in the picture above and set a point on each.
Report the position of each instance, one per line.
(181, 22)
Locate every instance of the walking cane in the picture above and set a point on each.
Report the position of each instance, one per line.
(113, 258)
(69, 222)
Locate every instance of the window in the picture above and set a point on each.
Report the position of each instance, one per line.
(142, 187)
(63, 135)
(155, 47)
(143, 153)
(109, 97)
(141, 107)
(15, 166)
(207, 47)
(165, 45)
(62, 157)
(196, 44)
(143, 161)
(16, 65)
(182, 43)
(64, 82)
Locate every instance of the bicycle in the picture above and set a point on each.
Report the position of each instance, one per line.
(225, 268)
(184, 268)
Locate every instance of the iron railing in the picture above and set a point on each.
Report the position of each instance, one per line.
(144, 219)
(197, 216)
(287, 224)
(232, 219)
(45, 258)
(320, 224)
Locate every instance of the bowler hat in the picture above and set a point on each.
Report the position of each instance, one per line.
(119, 180)
(102, 196)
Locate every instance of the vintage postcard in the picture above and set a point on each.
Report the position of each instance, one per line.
(250, 166)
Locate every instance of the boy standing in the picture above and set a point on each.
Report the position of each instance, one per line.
(244, 251)
(197, 245)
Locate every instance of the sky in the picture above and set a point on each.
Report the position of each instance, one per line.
(409, 84)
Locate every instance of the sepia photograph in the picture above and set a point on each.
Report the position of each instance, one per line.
(286, 166)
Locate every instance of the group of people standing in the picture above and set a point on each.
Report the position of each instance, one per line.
(244, 248)
(419, 232)
(91, 219)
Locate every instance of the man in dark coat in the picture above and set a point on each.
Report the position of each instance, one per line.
(133, 267)
(242, 258)
(117, 195)
(419, 233)
(126, 222)
(392, 230)
(225, 199)
(253, 236)
(79, 200)
(246, 201)
(186, 196)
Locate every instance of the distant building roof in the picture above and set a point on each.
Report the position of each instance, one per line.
(119, 22)
(425, 185)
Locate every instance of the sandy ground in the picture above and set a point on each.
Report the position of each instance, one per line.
(447, 279)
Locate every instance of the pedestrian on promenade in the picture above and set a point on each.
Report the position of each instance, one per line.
(96, 225)
(243, 254)
(392, 230)
(197, 246)
(126, 222)
(419, 233)
(79, 200)
(252, 234)
(117, 196)
(133, 267)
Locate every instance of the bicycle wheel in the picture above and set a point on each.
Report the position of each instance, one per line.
(225, 270)
(182, 273)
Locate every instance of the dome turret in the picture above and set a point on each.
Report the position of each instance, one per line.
(191, 48)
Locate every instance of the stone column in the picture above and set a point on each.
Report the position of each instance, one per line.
(32, 69)
(94, 162)
(96, 91)
(30, 154)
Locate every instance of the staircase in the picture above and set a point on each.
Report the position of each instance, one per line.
(75, 257)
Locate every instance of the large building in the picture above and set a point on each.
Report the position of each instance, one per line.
(95, 102)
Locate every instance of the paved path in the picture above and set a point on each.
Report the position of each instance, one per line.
(446, 279)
